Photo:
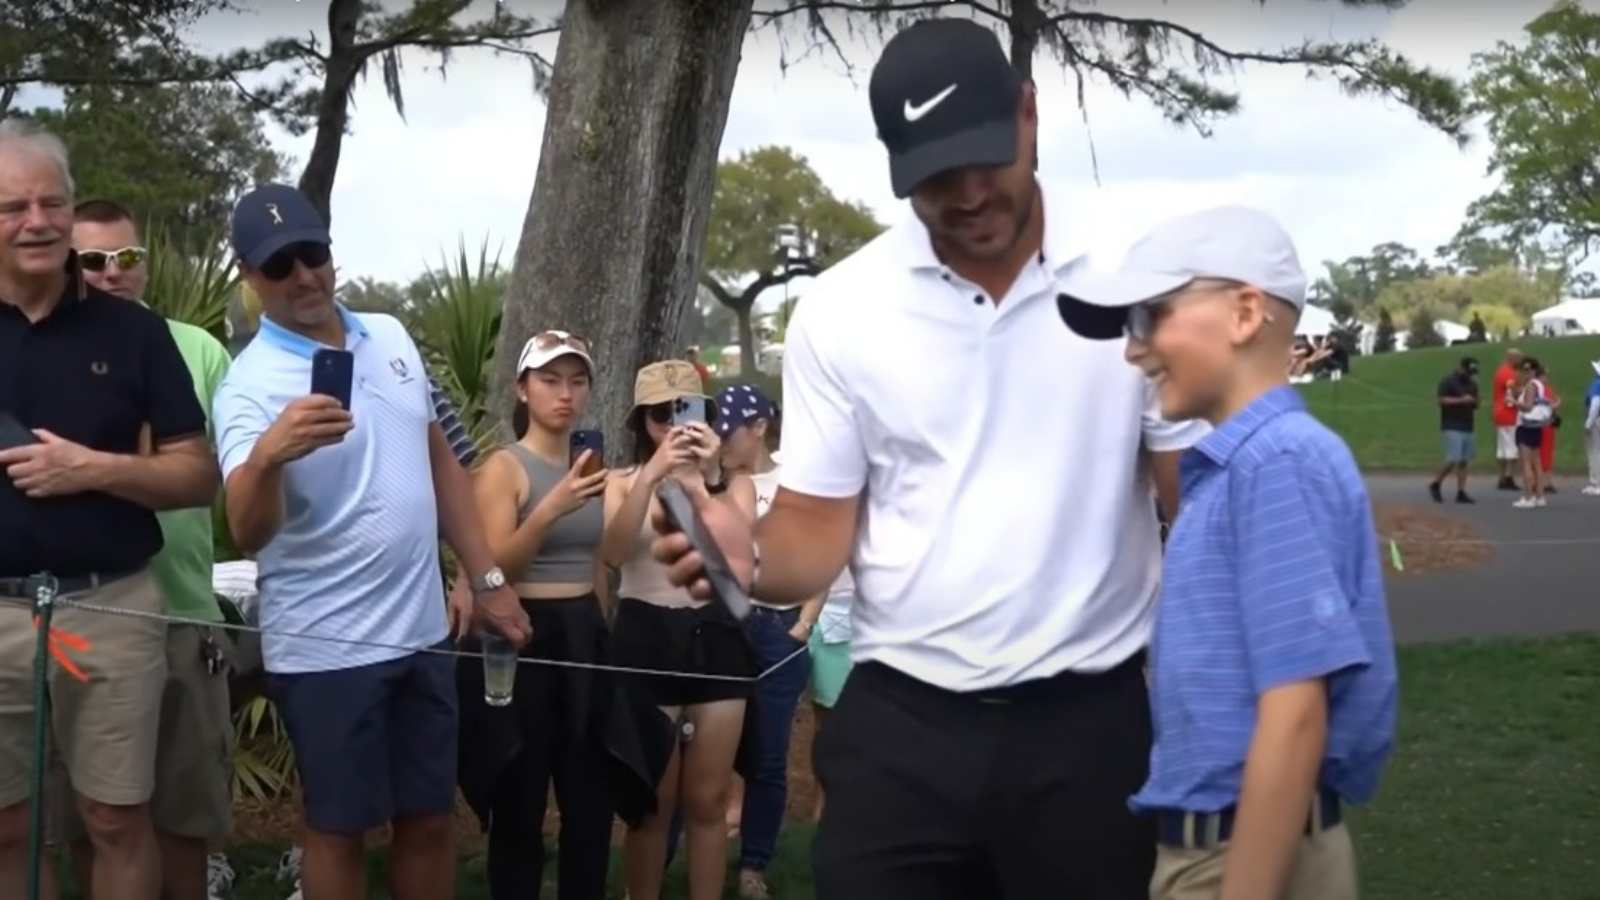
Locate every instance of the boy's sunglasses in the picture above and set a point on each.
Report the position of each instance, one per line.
(126, 258)
(1144, 317)
(309, 254)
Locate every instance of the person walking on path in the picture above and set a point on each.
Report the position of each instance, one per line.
(1458, 408)
(988, 475)
(1505, 418)
(1591, 431)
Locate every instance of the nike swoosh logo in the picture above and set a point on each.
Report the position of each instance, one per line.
(913, 113)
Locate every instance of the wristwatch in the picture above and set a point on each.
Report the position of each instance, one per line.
(492, 580)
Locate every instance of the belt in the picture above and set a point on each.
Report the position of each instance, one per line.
(1202, 831)
(26, 587)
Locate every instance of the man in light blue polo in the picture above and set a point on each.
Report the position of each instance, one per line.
(344, 509)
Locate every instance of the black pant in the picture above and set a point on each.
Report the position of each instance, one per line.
(1014, 794)
(557, 718)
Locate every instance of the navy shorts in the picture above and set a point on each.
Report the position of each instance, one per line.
(372, 743)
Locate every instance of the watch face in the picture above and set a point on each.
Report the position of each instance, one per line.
(494, 579)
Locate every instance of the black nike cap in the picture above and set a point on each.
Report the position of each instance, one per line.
(944, 95)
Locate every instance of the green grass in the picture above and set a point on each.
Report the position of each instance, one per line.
(1386, 407)
(1493, 791)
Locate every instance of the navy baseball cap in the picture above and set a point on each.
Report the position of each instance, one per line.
(944, 96)
(739, 405)
(272, 217)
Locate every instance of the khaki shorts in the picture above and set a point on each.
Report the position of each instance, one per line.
(104, 730)
(1324, 869)
(194, 756)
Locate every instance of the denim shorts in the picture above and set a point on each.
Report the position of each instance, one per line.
(1459, 446)
(372, 743)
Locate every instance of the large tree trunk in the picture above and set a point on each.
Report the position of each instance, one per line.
(612, 241)
(333, 110)
(747, 340)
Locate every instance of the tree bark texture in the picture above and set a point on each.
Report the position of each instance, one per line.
(612, 242)
(333, 111)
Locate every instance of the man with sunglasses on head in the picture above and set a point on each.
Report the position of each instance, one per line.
(193, 800)
(103, 429)
(987, 475)
(344, 509)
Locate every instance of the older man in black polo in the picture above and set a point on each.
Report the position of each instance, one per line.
(116, 433)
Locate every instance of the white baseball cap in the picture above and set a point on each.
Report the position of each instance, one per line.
(1233, 243)
(547, 346)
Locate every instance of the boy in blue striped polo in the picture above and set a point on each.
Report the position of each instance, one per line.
(1273, 680)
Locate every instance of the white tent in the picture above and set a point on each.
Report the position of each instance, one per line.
(1314, 322)
(1451, 331)
(1570, 316)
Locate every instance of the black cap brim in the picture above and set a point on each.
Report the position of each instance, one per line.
(279, 240)
(1096, 305)
(993, 143)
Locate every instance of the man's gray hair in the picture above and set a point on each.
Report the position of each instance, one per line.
(32, 135)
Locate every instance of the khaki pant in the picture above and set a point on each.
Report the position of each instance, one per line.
(193, 795)
(1324, 869)
(104, 730)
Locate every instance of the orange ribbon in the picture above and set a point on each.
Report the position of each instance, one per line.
(59, 642)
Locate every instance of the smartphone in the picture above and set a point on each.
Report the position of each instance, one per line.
(331, 373)
(689, 409)
(594, 441)
(13, 433)
(681, 513)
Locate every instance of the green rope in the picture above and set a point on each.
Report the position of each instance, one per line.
(44, 606)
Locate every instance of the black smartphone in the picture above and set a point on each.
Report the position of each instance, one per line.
(13, 433)
(689, 409)
(681, 513)
(593, 441)
(331, 373)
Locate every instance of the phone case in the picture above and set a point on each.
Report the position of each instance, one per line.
(588, 440)
(680, 511)
(332, 372)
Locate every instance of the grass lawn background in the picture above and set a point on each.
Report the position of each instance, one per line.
(1387, 409)
(1493, 792)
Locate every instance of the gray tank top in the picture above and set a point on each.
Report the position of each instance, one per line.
(566, 555)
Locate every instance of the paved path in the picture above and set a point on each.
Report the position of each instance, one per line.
(1524, 589)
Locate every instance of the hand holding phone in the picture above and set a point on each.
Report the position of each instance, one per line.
(681, 515)
(306, 424)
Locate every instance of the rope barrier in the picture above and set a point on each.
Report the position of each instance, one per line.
(438, 651)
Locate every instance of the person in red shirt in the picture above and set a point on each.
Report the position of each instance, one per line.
(693, 355)
(1505, 417)
(1547, 449)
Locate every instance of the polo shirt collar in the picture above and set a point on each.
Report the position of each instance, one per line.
(299, 344)
(1225, 440)
(1054, 254)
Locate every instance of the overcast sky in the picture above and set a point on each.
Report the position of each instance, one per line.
(1342, 173)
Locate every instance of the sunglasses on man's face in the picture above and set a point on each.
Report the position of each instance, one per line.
(126, 258)
(279, 265)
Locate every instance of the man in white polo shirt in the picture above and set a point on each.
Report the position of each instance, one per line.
(344, 509)
(987, 474)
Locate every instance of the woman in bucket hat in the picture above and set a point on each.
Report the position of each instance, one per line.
(661, 627)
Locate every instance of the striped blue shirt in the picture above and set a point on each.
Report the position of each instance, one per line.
(1272, 576)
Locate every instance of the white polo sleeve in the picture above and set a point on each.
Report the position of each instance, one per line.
(238, 420)
(822, 447)
(1162, 436)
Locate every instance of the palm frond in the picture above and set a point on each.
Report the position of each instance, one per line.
(190, 284)
(456, 324)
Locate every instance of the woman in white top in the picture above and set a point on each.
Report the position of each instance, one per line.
(662, 628)
(1534, 412)
(748, 423)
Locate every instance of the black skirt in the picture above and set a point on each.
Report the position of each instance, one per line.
(699, 640)
(592, 711)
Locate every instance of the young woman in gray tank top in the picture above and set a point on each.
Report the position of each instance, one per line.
(543, 520)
